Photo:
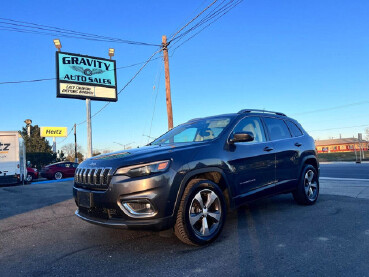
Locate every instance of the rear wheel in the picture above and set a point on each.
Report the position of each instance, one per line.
(58, 175)
(29, 178)
(201, 214)
(307, 191)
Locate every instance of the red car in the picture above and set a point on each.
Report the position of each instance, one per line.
(31, 174)
(59, 171)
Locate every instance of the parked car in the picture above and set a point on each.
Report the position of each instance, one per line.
(59, 170)
(32, 174)
(188, 177)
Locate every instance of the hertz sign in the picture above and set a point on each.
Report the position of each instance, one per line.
(53, 131)
(85, 77)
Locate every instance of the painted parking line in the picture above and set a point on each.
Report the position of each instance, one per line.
(343, 179)
(53, 181)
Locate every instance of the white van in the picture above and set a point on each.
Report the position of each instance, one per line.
(13, 168)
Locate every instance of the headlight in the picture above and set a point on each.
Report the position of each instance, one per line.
(143, 169)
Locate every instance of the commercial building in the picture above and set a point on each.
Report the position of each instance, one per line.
(340, 145)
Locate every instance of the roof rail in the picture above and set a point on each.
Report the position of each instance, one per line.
(260, 111)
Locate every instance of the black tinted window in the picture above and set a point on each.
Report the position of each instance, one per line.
(252, 125)
(61, 165)
(296, 132)
(277, 129)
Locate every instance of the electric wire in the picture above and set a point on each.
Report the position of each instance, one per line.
(213, 13)
(189, 22)
(67, 135)
(126, 85)
(347, 127)
(23, 26)
(49, 79)
(153, 112)
(195, 34)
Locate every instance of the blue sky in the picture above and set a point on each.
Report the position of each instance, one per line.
(290, 56)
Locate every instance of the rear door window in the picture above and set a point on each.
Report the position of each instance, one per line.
(296, 132)
(277, 128)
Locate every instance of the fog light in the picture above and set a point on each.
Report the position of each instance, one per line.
(138, 208)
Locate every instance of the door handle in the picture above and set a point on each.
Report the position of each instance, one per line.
(298, 144)
(267, 149)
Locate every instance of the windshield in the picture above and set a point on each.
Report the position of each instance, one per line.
(194, 131)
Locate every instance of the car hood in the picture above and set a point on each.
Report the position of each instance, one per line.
(140, 155)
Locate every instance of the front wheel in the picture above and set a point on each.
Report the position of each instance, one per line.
(201, 213)
(307, 190)
(58, 175)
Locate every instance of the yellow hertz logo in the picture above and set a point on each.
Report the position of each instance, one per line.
(53, 131)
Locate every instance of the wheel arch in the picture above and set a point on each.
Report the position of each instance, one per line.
(312, 160)
(214, 174)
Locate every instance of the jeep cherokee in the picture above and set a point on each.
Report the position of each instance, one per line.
(191, 175)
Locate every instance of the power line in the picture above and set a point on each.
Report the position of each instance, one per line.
(156, 97)
(67, 135)
(189, 22)
(213, 16)
(26, 81)
(347, 127)
(49, 79)
(332, 108)
(191, 37)
(127, 84)
(29, 27)
(213, 13)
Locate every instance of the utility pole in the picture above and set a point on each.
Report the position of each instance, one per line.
(167, 82)
(75, 144)
(89, 135)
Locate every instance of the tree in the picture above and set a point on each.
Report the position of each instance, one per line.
(38, 149)
(68, 149)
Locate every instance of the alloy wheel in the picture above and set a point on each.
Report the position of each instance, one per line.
(58, 175)
(205, 213)
(311, 185)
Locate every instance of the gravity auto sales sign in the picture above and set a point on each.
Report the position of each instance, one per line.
(84, 77)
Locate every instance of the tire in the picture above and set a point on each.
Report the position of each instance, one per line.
(58, 175)
(307, 191)
(194, 202)
(29, 178)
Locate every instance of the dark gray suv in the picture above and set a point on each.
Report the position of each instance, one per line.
(191, 175)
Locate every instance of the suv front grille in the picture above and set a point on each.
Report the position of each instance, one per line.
(93, 178)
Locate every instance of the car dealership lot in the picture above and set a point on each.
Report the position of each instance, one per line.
(41, 236)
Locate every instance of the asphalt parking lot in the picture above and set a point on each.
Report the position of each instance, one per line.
(41, 236)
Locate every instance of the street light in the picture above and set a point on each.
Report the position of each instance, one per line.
(111, 52)
(57, 44)
(28, 123)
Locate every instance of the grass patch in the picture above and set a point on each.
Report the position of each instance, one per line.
(341, 157)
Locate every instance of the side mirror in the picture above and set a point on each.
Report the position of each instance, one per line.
(242, 137)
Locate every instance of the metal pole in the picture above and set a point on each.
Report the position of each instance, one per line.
(54, 145)
(167, 83)
(29, 130)
(75, 144)
(89, 135)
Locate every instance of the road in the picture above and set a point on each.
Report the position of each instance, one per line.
(345, 170)
(41, 236)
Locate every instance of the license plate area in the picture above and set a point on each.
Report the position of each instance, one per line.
(84, 199)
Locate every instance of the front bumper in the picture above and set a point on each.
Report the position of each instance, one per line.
(150, 224)
(106, 209)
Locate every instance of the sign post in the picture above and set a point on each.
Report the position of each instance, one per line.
(85, 77)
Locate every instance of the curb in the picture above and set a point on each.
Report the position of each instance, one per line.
(53, 181)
